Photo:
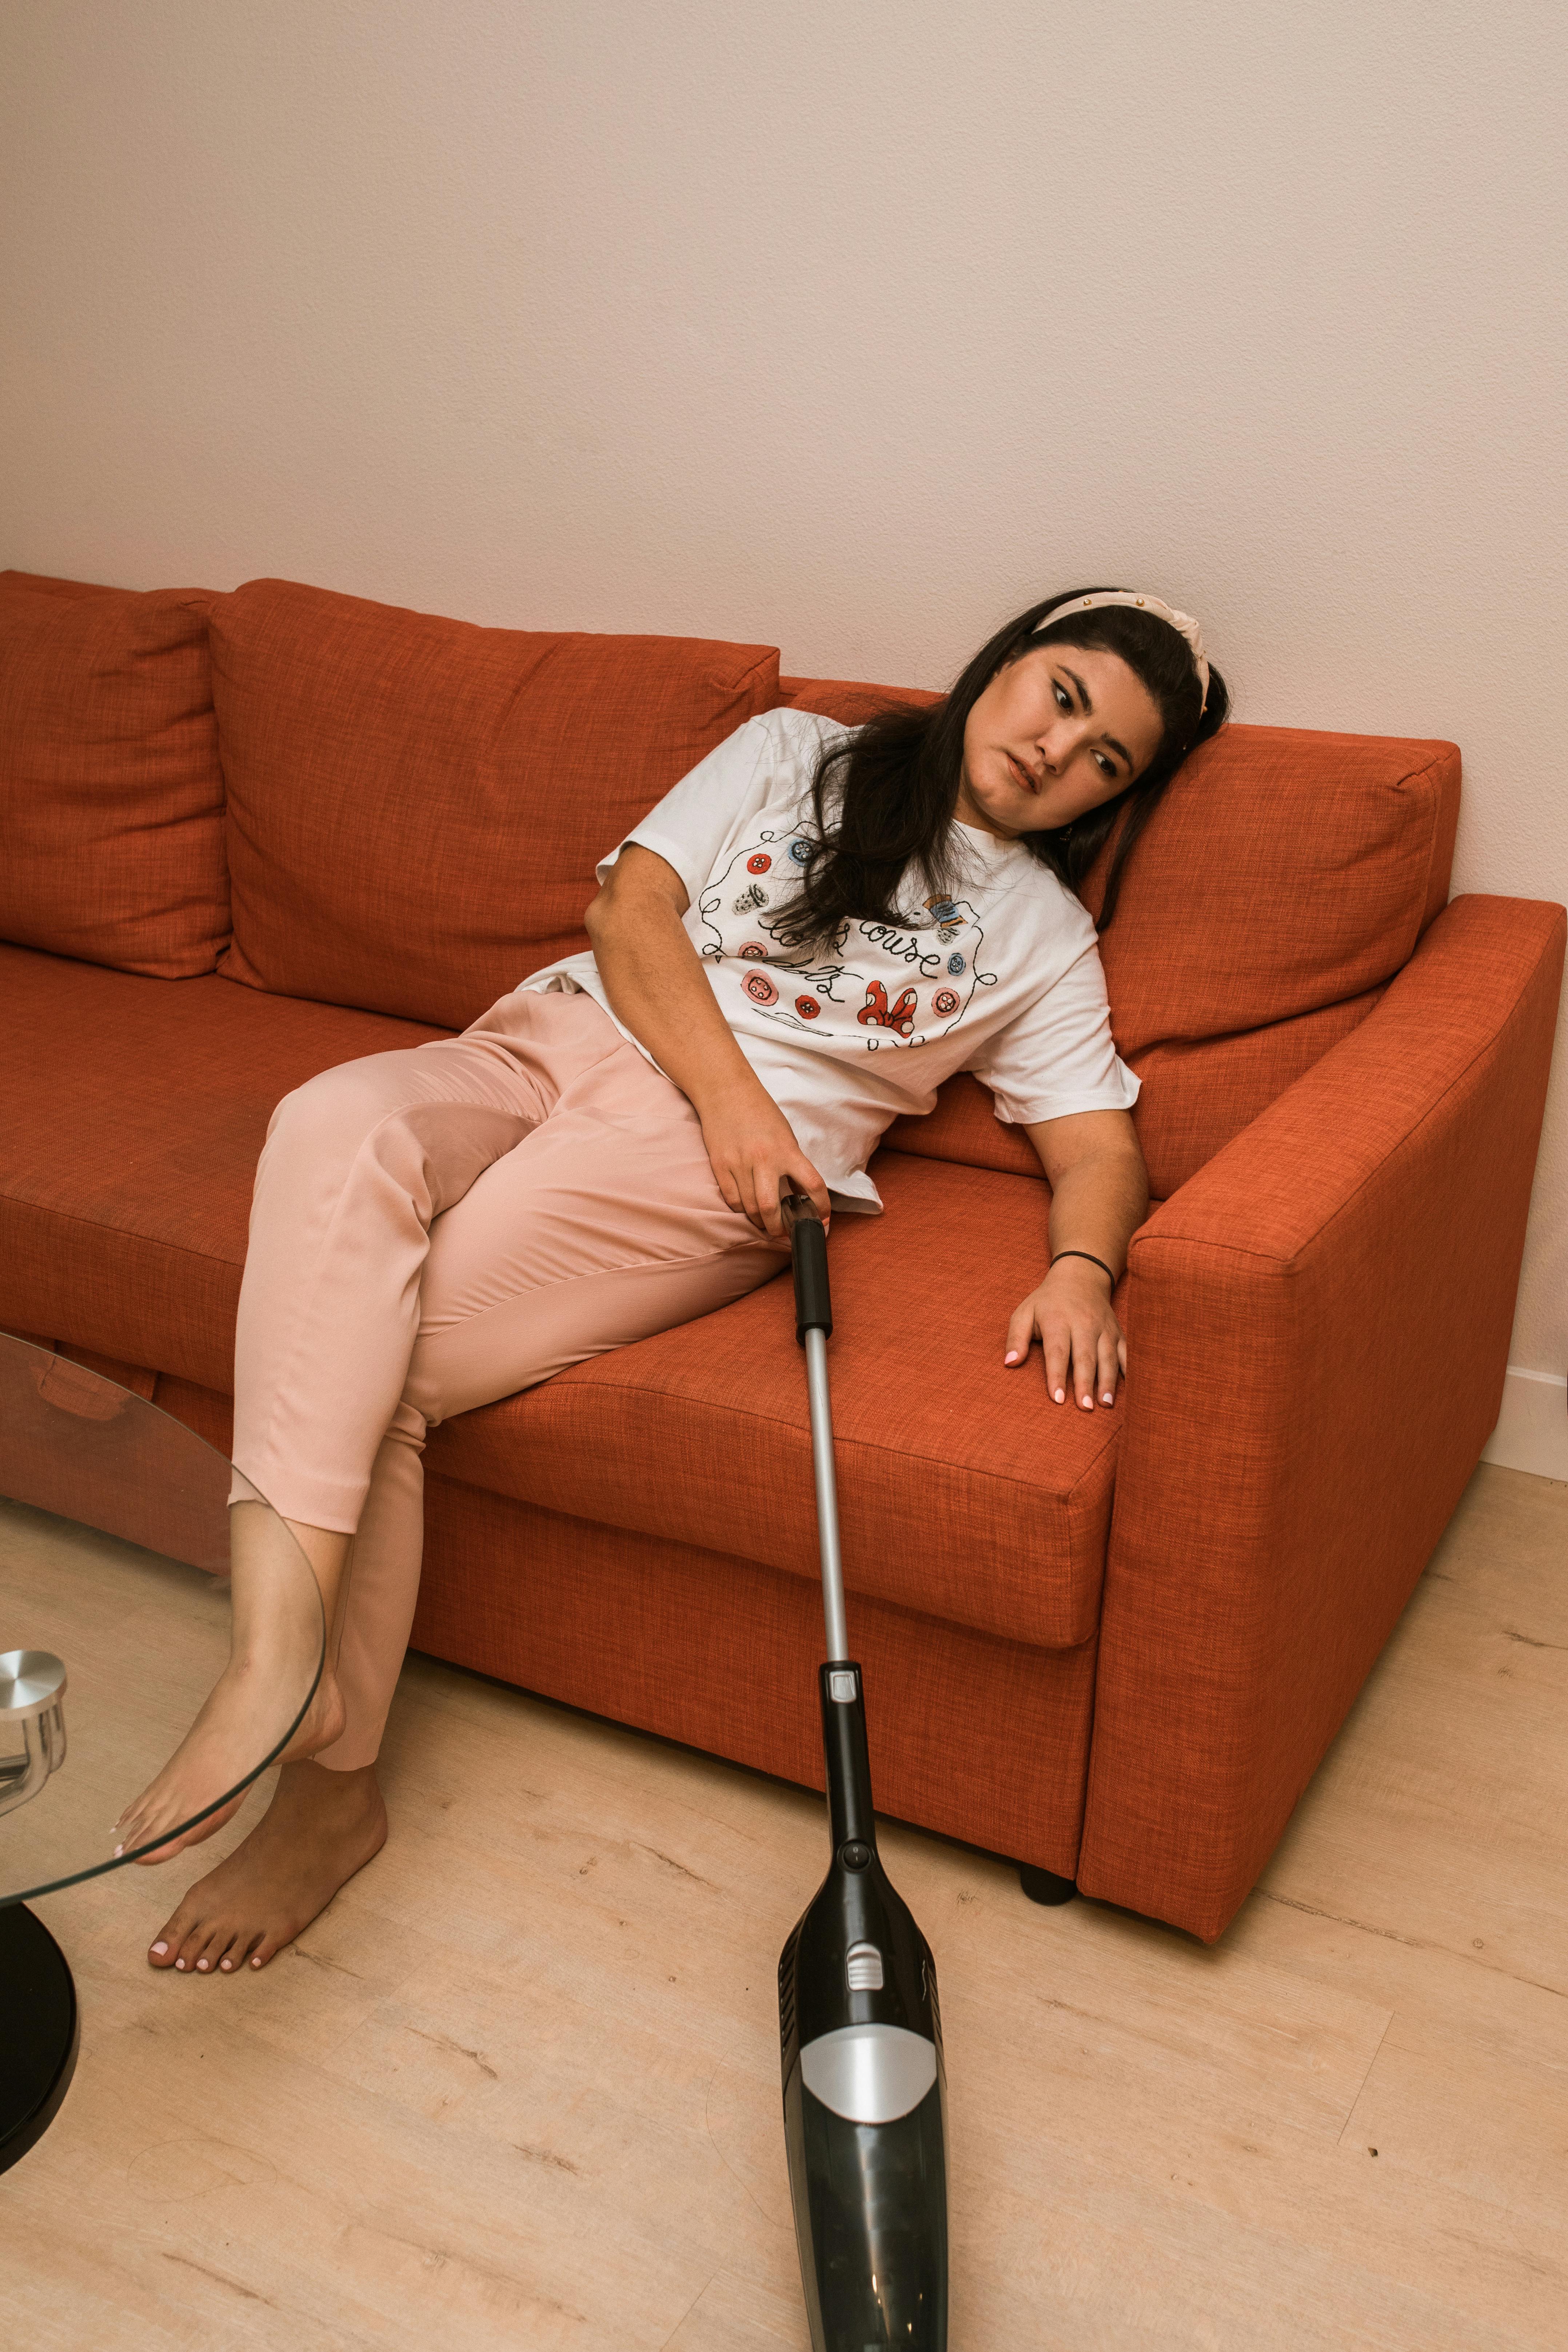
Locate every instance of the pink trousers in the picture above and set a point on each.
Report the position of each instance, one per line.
(434, 1229)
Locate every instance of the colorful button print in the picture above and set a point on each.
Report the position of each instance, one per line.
(945, 1001)
(955, 965)
(760, 864)
(760, 988)
(807, 1007)
(754, 951)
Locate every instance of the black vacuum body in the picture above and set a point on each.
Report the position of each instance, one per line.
(859, 2027)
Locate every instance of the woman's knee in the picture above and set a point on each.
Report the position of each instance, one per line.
(336, 1108)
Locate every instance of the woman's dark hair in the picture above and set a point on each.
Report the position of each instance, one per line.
(896, 780)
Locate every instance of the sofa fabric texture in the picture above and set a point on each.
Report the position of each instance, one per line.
(111, 795)
(964, 1494)
(1115, 1645)
(417, 805)
(136, 1113)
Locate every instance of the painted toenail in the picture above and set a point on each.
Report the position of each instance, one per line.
(179, 1964)
(203, 1966)
(118, 1852)
(226, 1964)
(159, 1949)
(256, 1964)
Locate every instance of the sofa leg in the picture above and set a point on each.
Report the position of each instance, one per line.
(1044, 1885)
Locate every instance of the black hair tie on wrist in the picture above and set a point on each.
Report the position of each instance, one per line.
(1099, 1261)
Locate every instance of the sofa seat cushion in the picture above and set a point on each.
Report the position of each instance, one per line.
(139, 1108)
(110, 793)
(963, 1492)
(135, 1111)
(417, 805)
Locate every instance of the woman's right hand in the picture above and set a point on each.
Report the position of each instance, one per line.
(752, 1150)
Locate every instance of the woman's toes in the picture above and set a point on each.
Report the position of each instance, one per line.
(219, 1941)
(172, 1938)
(191, 1950)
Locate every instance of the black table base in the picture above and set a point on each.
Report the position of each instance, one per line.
(38, 2031)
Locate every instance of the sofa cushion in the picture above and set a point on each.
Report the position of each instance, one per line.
(416, 805)
(135, 1111)
(964, 1493)
(111, 794)
(1285, 870)
(138, 1110)
(851, 700)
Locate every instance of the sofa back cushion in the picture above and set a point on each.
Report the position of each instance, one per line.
(416, 805)
(1284, 871)
(110, 793)
(1286, 876)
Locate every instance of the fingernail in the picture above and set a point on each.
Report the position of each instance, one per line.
(1061, 1396)
(1106, 1397)
(1012, 1357)
(1088, 1403)
(159, 1949)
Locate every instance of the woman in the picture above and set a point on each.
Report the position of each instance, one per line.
(801, 941)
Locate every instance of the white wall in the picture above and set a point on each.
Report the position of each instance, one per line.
(849, 327)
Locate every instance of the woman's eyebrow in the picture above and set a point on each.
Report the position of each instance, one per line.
(1108, 741)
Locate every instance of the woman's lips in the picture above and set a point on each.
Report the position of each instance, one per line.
(1029, 781)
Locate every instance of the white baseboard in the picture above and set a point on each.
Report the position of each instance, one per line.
(1532, 1427)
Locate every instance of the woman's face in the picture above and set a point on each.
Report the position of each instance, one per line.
(1056, 733)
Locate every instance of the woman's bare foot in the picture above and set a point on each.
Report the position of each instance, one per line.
(237, 1725)
(321, 1827)
(284, 1586)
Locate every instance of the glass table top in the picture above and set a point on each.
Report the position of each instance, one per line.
(115, 1534)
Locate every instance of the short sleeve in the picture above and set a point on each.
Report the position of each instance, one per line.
(1058, 1058)
(752, 768)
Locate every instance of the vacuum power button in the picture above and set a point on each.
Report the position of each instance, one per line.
(842, 1688)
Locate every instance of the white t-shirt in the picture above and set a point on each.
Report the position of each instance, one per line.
(1003, 979)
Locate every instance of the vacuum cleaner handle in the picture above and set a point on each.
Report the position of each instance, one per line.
(813, 1322)
(808, 1245)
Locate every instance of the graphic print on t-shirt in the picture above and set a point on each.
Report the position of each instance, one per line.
(881, 985)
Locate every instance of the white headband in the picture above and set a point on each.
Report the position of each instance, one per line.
(1183, 622)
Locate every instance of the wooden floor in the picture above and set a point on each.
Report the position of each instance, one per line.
(520, 2087)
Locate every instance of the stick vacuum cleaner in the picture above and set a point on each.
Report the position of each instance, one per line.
(859, 2029)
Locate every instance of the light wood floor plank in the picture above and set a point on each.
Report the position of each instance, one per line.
(520, 2087)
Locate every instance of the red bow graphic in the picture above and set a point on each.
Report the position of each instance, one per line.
(875, 1010)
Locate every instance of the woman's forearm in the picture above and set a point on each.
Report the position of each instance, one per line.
(1097, 1206)
(659, 990)
(1100, 1196)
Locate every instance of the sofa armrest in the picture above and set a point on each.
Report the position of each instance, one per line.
(1317, 1330)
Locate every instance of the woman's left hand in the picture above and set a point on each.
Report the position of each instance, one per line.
(1071, 1314)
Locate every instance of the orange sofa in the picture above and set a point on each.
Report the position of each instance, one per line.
(247, 836)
